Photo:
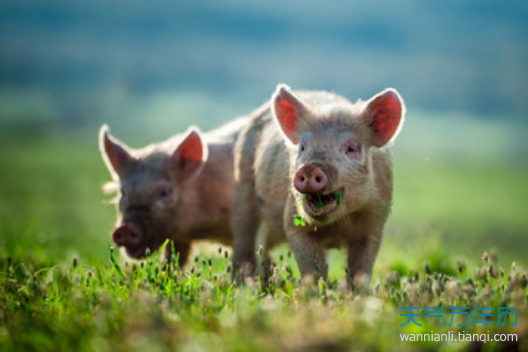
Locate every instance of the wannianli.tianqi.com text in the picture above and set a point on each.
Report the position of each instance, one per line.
(460, 336)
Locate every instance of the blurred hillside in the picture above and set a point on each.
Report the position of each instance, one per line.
(147, 68)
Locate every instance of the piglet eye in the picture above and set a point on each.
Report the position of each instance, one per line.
(352, 149)
(163, 192)
(302, 147)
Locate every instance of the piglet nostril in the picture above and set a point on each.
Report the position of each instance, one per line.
(118, 238)
(299, 181)
(317, 180)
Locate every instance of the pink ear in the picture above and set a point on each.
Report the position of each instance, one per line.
(115, 155)
(191, 153)
(385, 115)
(286, 109)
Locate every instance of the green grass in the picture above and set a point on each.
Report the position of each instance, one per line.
(149, 306)
(60, 289)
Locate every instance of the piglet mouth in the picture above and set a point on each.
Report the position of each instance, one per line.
(136, 252)
(319, 205)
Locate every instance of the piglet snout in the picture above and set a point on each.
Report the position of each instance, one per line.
(310, 179)
(127, 235)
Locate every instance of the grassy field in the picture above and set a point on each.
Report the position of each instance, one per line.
(62, 290)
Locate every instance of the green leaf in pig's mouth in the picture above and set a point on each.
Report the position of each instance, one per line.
(320, 204)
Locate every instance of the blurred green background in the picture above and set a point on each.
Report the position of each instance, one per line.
(151, 69)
